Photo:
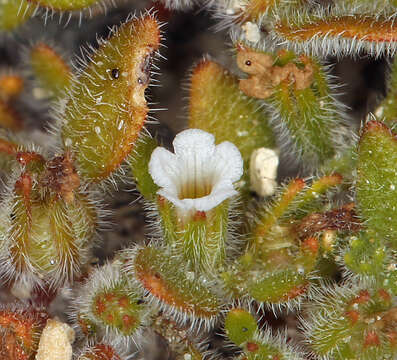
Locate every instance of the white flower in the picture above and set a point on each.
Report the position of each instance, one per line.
(263, 171)
(55, 341)
(199, 175)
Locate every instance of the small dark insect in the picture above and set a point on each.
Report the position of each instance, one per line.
(115, 73)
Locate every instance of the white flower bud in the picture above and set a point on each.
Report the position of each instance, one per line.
(263, 171)
(55, 341)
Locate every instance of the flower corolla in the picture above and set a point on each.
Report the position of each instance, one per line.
(199, 175)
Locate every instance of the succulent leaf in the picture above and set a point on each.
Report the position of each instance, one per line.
(377, 181)
(66, 5)
(340, 30)
(240, 326)
(107, 107)
(172, 287)
(278, 287)
(50, 69)
(14, 13)
(44, 241)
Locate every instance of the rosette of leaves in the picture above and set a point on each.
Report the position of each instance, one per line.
(282, 254)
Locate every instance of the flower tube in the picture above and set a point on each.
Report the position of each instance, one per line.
(196, 183)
